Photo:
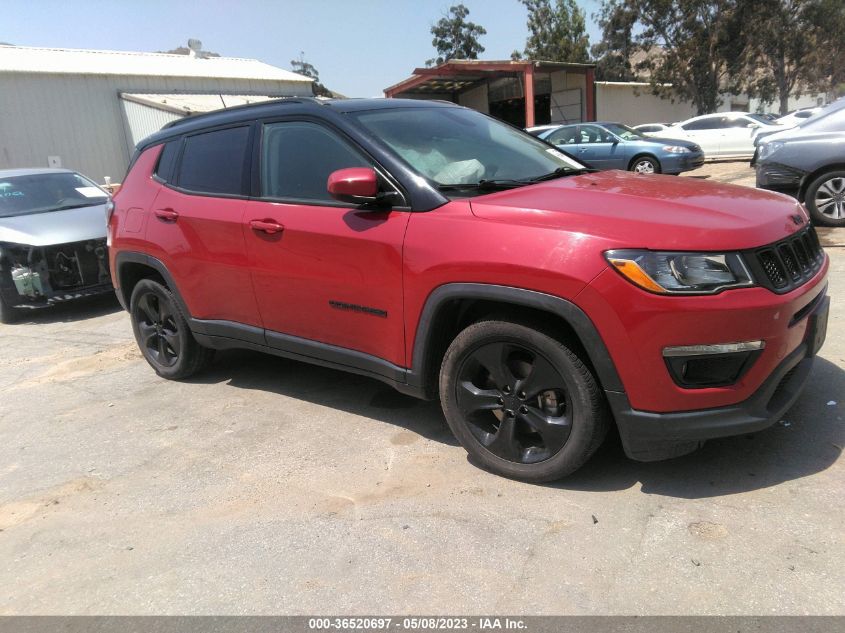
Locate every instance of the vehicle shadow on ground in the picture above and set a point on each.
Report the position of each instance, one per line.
(340, 390)
(70, 311)
(809, 440)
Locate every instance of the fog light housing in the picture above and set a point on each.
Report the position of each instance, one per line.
(719, 365)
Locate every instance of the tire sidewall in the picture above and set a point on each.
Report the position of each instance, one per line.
(810, 199)
(578, 447)
(654, 163)
(148, 286)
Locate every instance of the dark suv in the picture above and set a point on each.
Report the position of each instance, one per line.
(448, 254)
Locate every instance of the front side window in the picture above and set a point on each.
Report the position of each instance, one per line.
(564, 136)
(297, 158)
(457, 146)
(214, 162)
(624, 132)
(50, 191)
(594, 134)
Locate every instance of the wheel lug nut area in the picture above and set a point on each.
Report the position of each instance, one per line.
(521, 395)
(509, 413)
(523, 409)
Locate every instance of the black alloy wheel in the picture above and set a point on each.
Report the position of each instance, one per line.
(515, 401)
(163, 334)
(520, 401)
(161, 340)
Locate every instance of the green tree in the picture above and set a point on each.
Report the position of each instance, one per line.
(302, 67)
(614, 53)
(689, 44)
(556, 32)
(786, 46)
(455, 37)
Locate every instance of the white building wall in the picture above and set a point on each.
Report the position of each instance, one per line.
(80, 118)
(634, 104)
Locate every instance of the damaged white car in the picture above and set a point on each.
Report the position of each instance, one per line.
(52, 239)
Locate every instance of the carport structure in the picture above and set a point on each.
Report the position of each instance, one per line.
(560, 92)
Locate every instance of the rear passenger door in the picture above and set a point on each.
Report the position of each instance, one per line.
(196, 223)
(706, 132)
(330, 273)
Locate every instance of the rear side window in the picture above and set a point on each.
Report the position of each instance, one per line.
(710, 123)
(167, 160)
(297, 158)
(214, 162)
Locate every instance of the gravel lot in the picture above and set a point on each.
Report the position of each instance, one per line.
(270, 486)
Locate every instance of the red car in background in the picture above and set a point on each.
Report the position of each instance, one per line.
(453, 256)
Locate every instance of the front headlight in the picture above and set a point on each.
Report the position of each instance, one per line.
(681, 273)
(676, 149)
(767, 149)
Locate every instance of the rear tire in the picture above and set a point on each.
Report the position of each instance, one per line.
(162, 332)
(520, 402)
(645, 165)
(825, 199)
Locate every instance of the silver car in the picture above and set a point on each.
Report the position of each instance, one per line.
(808, 162)
(52, 239)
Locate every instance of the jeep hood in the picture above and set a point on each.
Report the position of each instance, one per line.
(55, 227)
(649, 211)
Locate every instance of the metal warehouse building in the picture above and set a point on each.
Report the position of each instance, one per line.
(85, 110)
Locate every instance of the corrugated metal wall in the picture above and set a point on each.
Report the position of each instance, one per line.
(79, 118)
(143, 120)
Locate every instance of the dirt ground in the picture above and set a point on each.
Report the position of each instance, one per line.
(271, 486)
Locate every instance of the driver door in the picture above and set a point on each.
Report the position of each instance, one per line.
(598, 147)
(329, 272)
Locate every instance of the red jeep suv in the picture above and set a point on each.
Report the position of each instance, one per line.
(451, 255)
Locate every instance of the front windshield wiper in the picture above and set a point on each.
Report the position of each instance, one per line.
(561, 171)
(485, 185)
(510, 183)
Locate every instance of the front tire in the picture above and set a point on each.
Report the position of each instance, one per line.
(163, 334)
(825, 199)
(520, 402)
(8, 314)
(645, 165)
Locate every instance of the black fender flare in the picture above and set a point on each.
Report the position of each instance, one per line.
(568, 311)
(133, 257)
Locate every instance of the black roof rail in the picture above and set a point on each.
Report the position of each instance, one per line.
(279, 101)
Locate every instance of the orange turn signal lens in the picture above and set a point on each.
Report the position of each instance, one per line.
(631, 270)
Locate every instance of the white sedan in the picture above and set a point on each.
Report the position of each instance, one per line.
(723, 134)
(652, 129)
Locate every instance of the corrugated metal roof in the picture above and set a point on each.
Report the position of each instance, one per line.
(185, 104)
(69, 61)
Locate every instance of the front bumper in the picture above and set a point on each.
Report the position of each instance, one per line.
(650, 436)
(37, 276)
(777, 177)
(676, 163)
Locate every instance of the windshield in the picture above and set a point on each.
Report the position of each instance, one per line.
(454, 146)
(38, 193)
(624, 132)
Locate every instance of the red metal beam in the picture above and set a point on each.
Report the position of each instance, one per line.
(528, 75)
(590, 89)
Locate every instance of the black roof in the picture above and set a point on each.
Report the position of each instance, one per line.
(286, 105)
